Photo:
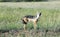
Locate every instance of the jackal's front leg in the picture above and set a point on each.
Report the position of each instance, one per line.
(35, 25)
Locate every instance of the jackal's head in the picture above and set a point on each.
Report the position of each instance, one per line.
(38, 14)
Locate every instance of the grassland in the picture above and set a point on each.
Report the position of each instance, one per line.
(11, 14)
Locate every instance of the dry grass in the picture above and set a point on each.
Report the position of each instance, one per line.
(32, 4)
(31, 33)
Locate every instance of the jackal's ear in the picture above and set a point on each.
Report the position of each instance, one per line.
(39, 14)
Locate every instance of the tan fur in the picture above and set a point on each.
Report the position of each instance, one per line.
(25, 19)
(35, 24)
(30, 20)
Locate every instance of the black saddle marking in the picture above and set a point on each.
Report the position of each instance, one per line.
(29, 16)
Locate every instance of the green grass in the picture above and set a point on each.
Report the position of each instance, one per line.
(10, 18)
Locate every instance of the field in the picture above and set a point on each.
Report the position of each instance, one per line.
(12, 12)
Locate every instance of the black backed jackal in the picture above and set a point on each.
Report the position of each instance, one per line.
(30, 18)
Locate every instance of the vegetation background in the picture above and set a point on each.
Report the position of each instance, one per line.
(11, 12)
(25, 0)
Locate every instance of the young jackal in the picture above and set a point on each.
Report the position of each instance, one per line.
(30, 18)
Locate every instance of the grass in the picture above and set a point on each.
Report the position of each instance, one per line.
(10, 17)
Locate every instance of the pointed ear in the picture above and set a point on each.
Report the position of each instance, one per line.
(40, 14)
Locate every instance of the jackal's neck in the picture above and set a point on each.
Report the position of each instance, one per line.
(37, 16)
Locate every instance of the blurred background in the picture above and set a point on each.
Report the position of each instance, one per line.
(25, 0)
(11, 12)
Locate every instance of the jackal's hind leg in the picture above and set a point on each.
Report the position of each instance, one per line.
(24, 26)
